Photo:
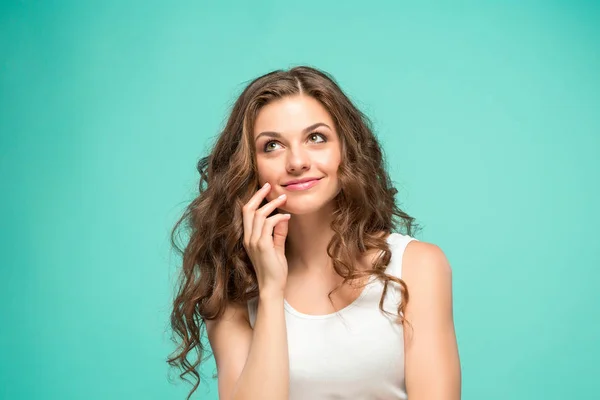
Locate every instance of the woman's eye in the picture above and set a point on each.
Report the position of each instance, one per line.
(317, 137)
(313, 137)
(269, 146)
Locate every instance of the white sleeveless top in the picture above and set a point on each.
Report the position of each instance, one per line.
(355, 353)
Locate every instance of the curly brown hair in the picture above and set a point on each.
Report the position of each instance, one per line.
(216, 268)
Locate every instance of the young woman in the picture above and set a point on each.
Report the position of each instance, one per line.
(296, 265)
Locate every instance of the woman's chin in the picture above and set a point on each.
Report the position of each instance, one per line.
(304, 209)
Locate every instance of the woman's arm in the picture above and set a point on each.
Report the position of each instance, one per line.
(252, 364)
(266, 373)
(432, 365)
(263, 353)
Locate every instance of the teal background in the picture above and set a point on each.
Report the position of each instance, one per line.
(488, 113)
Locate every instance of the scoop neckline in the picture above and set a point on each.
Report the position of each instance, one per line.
(362, 294)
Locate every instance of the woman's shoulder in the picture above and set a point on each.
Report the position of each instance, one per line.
(418, 249)
(425, 265)
(399, 243)
(425, 254)
(232, 313)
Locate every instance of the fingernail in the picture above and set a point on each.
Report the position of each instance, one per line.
(282, 196)
(266, 184)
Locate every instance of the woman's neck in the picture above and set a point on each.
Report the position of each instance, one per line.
(307, 240)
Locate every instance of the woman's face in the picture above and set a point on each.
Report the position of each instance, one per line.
(296, 140)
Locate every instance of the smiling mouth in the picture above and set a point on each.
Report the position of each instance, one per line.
(302, 181)
(302, 185)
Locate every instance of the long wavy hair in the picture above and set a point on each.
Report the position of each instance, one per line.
(216, 269)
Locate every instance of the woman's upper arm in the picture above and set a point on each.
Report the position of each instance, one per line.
(432, 365)
(230, 337)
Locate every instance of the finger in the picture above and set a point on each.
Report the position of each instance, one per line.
(280, 231)
(276, 227)
(250, 208)
(268, 208)
(261, 215)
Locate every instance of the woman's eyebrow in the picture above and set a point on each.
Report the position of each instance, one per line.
(278, 135)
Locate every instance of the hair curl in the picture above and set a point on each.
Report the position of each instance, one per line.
(216, 268)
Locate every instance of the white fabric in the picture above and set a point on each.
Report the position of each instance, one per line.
(356, 353)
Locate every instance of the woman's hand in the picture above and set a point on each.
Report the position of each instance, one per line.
(264, 240)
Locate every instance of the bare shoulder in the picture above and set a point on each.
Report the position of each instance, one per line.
(428, 277)
(432, 363)
(233, 320)
(423, 261)
(234, 313)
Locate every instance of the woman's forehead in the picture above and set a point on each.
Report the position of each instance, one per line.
(290, 115)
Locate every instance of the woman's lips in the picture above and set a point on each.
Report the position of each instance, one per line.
(302, 186)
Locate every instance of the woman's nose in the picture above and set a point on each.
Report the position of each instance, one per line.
(298, 160)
